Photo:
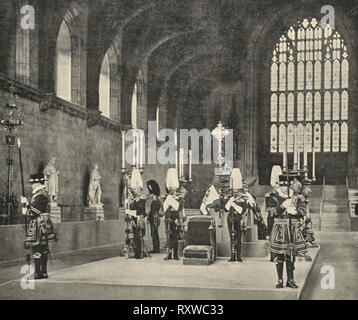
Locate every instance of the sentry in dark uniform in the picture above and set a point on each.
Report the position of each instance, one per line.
(138, 224)
(154, 216)
(40, 230)
(173, 206)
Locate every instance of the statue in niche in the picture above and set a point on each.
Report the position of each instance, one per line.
(94, 189)
(51, 175)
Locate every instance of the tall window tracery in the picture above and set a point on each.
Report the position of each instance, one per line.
(63, 63)
(309, 89)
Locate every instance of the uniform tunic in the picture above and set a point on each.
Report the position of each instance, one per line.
(237, 207)
(286, 237)
(154, 220)
(138, 204)
(39, 226)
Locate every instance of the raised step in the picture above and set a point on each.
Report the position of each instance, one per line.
(335, 192)
(334, 229)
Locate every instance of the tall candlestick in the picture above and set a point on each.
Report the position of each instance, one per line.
(181, 163)
(138, 150)
(157, 124)
(304, 153)
(298, 159)
(313, 165)
(123, 150)
(176, 160)
(190, 161)
(134, 150)
(176, 137)
(284, 155)
(141, 150)
(295, 149)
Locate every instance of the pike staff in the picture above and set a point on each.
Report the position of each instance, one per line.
(28, 257)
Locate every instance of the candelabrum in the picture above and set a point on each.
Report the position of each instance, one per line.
(11, 118)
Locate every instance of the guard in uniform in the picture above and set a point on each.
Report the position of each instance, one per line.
(236, 206)
(287, 240)
(40, 230)
(307, 228)
(154, 216)
(173, 213)
(274, 199)
(137, 206)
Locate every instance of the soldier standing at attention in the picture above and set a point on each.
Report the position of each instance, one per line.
(154, 216)
(237, 206)
(40, 230)
(137, 205)
(173, 211)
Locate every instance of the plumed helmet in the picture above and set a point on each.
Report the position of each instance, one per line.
(236, 179)
(136, 180)
(276, 172)
(172, 181)
(153, 187)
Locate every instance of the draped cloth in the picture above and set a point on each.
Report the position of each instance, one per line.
(210, 198)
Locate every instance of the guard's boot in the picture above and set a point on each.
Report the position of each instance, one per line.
(169, 256)
(44, 259)
(279, 270)
(232, 258)
(176, 252)
(37, 262)
(238, 254)
(289, 269)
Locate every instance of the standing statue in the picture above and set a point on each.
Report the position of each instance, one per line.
(51, 175)
(94, 189)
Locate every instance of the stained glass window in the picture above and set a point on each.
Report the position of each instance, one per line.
(309, 82)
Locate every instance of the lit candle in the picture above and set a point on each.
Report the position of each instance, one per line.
(181, 164)
(298, 159)
(284, 154)
(157, 117)
(176, 160)
(123, 150)
(141, 150)
(304, 152)
(190, 161)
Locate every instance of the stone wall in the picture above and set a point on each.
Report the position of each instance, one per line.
(71, 236)
(78, 147)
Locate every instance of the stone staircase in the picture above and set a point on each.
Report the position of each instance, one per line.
(335, 217)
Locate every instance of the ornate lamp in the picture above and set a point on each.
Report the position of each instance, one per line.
(10, 118)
